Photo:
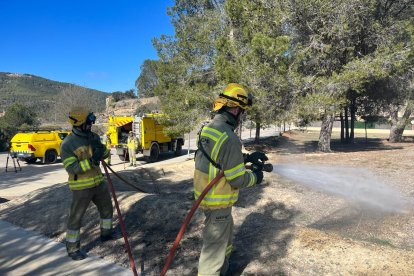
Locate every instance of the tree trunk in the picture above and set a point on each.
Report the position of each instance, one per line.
(342, 128)
(324, 143)
(257, 137)
(346, 125)
(398, 125)
(353, 111)
(396, 133)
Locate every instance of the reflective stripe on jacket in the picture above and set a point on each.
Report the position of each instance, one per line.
(224, 147)
(76, 153)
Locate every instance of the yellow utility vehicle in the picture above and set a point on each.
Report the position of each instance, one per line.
(149, 133)
(45, 145)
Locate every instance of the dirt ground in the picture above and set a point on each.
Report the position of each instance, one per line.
(281, 227)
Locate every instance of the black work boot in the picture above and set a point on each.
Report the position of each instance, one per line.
(77, 255)
(114, 235)
(106, 238)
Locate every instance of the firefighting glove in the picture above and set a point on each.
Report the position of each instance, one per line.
(98, 149)
(97, 155)
(259, 176)
(95, 142)
(255, 157)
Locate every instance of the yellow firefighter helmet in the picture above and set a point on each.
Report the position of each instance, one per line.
(233, 95)
(80, 115)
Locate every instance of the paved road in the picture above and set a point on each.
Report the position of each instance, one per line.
(23, 252)
(29, 178)
(35, 176)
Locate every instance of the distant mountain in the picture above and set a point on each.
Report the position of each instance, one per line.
(38, 92)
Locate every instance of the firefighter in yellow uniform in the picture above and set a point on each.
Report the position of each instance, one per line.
(108, 146)
(132, 146)
(81, 152)
(219, 149)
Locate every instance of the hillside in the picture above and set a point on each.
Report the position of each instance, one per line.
(130, 106)
(125, 107)
(37, 92)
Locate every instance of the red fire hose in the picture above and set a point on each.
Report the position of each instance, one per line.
(180, 233)
(121, 221)
(126, 182)
(264, 167)
(187, 221)
(184, 225)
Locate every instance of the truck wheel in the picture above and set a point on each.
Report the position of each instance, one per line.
(124, 157)
(30, 160)
(154, 153)
(50, 156)
(179, 148)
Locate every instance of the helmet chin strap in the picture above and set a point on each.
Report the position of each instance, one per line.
(236, 112)
(85, 128)
(238, 117)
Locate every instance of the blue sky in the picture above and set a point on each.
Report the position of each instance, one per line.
(97, 44)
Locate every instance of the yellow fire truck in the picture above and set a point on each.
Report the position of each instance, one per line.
(149, 133)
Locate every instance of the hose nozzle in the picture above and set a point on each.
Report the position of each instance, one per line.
(267, 167)
(260, 167)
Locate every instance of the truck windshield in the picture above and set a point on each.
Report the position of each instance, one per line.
(62, 135)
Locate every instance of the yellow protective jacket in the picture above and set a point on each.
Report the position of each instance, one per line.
(108, 143)
(76, 152)
(224, 147)
(132, 143)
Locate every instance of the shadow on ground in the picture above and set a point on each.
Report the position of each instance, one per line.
(360, 144)
(263, 236)
(304, 143)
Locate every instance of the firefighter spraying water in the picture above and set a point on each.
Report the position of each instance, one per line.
(220, 172)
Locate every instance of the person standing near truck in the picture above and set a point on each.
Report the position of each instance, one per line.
(219, 149)
(132, 146)
(81, 152)
(108, 147)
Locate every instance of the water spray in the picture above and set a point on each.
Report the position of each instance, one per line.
(353, 184)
